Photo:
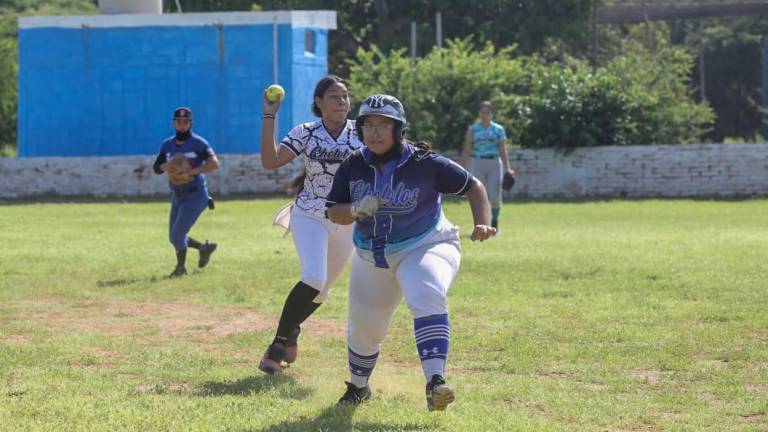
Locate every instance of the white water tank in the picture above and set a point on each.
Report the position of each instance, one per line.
(131, 6)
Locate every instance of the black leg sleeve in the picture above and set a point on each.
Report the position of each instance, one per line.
(298, 307)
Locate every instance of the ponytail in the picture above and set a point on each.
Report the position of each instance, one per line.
(421, 145)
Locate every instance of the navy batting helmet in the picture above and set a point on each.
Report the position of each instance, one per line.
(385, 106)
(182, 113)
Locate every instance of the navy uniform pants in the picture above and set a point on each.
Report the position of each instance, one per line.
(185, 209)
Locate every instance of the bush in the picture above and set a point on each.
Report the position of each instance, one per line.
(639, 98)
(661, 108)
(569, 108)
(441, 91)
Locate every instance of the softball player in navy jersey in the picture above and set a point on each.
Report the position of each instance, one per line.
(189, 190)
(486, 143)
(323, 247)
(405, 245)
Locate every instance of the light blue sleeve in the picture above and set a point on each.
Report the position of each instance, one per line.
(501, 134)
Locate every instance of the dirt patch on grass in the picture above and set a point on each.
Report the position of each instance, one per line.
(165, 388)
(758, 389)
(754, 418)
(649, 376)
(15, 339)
(161, 320)
(555, 375)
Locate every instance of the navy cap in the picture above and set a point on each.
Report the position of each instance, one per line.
(182, 113)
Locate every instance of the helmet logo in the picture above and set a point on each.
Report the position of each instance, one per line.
(382, 105)
(376, 101)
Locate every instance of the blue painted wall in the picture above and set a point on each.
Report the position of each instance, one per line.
(112, 91)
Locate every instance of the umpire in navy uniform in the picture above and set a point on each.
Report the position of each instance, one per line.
(188, 188)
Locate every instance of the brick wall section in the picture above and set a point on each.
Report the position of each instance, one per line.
(129, 176)
(693, 170)
(696, 170)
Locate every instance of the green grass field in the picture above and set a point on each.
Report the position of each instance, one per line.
(600, 316)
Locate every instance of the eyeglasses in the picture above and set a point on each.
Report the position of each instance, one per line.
(376, 129)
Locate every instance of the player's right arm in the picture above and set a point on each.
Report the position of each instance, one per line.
(467, 148)
(455, 180)
(481, 215)
(161, 162)
(272, 155)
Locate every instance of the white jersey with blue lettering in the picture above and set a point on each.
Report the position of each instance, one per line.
(322, 155)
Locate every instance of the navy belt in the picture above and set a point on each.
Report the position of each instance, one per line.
(182, 192)
(485, 157)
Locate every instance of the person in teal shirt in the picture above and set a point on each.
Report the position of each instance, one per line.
(485, 156)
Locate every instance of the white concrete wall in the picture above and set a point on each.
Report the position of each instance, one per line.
(700, 170)
(129, 176)
(693, 170)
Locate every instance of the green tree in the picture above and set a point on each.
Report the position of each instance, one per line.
(727, 73)
(528, 24)
(8, 73)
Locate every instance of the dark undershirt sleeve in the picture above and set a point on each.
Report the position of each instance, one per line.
(161, 159)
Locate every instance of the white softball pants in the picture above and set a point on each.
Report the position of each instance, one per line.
(323, 248)
(490, 172)
(421, 275)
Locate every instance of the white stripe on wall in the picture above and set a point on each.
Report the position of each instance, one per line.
(324, 19)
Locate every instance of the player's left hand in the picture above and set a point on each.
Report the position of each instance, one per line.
(366, 207)
(482, 233)
(180, 178)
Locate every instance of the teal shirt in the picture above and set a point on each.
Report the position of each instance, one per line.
(485, 140)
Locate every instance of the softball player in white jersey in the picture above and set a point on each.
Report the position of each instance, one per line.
(323, 247)
(405, 245)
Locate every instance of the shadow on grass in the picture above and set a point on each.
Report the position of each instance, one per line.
(284, 384)
(130, 281)
(124, 282)
(336, 418)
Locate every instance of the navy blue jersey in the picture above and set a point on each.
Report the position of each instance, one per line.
(196, 149)
(411, 187)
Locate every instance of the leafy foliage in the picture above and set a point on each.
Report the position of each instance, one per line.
(636, 99)
(387, 23)
(441, 91)
(727, 73)
(7, 93)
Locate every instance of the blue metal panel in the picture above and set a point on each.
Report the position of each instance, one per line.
(304, 77)
(44, 47)
(249, 44)
(319, 56)
(111, 91)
